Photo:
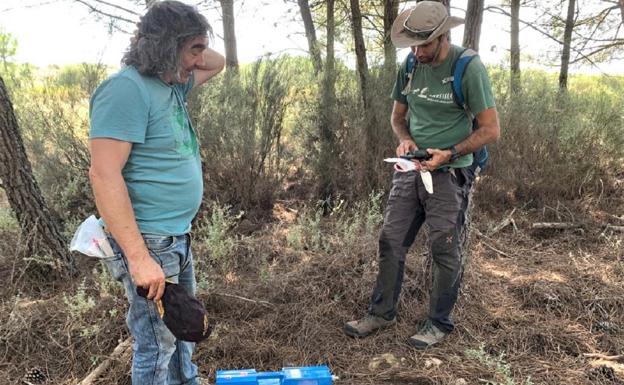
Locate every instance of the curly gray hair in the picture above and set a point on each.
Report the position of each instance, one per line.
(162, 32)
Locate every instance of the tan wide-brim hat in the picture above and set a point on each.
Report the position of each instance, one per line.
(422, 24)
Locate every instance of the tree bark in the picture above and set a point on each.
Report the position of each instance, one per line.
(39, 227)
(515, 46)
(621, 2)
(308, 23)
(327, 156)
(370, 125)
(391, 11)
(229, 35)
(567, 42)
(472, 26)
(360, 50)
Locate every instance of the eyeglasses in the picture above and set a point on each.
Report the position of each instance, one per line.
(421, 34)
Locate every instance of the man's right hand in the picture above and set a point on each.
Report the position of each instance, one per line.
(406, 146)
(146, 273)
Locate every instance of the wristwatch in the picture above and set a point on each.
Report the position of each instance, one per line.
(454, 154)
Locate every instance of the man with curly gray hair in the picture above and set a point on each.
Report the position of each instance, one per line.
(147, 178)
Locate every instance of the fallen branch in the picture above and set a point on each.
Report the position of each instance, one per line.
(121, 352)
(495, 249)
(615, 228)
(603, 356)
(556, 225)
(504, 223)
(265, 303)
(619, 218)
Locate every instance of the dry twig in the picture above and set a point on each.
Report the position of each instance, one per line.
(122, 351)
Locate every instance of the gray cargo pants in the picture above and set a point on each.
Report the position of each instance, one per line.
(409, 205)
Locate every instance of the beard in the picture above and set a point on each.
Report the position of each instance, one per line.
(182, 75)
(429, 59)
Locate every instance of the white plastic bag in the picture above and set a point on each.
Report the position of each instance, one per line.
(91, 240)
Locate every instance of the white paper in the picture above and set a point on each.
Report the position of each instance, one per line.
(90, 239)
(402, 165)
(427, 181)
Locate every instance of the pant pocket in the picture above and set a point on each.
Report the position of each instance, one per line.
(403, 184)
(116, 266)
(459, 177)
(159, 243)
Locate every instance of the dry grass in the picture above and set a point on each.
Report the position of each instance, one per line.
(527, 317)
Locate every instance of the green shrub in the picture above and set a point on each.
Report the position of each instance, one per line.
(241, 121)
(307, 233)
(214, 233)
(502, 369)
(555, 147)
(79, 303)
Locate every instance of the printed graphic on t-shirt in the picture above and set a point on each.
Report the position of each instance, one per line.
(442, 98)
(185, 140)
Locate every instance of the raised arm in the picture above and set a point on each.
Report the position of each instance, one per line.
(213, 63)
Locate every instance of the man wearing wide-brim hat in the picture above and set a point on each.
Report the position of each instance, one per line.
(426, 116)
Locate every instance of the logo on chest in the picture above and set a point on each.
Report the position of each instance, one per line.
(439, 96)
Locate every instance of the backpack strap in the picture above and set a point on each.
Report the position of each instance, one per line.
(457, 74)
(481, 156)
(410, 64)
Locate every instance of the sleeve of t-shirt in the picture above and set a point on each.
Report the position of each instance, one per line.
(399, 85)
(119, 110)
(477, 87)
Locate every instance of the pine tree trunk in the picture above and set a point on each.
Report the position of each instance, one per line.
(38, 226)
(515, 47)
(567, 42)
(327, 157)
(229, 35)
(370, 125)
(360, 50)
(391, 11)
(308, 23)
(472, 26)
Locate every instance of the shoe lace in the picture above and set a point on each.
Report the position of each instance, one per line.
(427, 328)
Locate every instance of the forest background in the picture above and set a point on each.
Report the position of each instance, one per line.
(295, 187)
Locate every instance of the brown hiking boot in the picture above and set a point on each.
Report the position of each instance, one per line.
(367, 325)
(427, 336)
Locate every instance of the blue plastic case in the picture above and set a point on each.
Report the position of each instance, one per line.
(308, 375)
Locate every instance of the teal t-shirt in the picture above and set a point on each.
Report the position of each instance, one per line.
(163, 173)
(436, 121)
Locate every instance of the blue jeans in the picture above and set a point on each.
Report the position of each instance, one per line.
(158, 357)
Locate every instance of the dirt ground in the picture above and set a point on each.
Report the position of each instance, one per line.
(536, 307)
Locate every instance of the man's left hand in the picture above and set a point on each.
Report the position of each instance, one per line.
(438, 158)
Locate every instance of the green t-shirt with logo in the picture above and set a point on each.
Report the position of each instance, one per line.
(435, 120)
(163, 173)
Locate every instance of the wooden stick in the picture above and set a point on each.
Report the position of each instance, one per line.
(604, 356)
(615, 228)
(616, 217)
(556, 225)
(495, 249)
(504, 223)
(266, 303)
(122, 352)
